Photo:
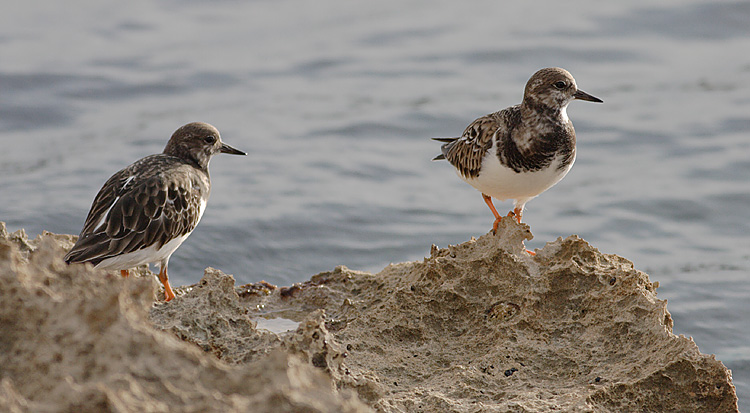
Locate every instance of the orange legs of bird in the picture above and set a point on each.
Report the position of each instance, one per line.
(516, 212)
(488, 201)
(169, 294)
(164, 280)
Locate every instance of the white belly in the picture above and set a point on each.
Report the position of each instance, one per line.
(501, 182)
(142, 256)
(150, 254)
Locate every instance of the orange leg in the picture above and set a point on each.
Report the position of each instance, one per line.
(518, 212)
(488, 201)
(124, 273)
(169, 294)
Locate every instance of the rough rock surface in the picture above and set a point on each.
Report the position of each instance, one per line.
(76, 339)
(480, 326)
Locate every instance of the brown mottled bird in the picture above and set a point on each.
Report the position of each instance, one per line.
(521, 151)
(144, 212)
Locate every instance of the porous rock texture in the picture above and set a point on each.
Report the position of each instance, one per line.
(73, 339)
(481, 326)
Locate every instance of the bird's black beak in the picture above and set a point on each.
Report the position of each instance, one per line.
(228, 149)
(581, 95)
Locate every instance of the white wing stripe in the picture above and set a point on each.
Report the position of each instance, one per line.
(103, 219)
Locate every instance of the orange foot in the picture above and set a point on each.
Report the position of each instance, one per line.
(488, 201)
(516, 212)
(168, 293)
(495, 224)
(124, 273)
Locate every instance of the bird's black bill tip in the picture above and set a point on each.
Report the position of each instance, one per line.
(581, 95)
(232, 151)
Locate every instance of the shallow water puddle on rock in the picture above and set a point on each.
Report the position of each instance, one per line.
(277, 325)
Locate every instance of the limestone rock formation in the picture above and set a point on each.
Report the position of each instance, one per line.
(76, 339)
(480, 326)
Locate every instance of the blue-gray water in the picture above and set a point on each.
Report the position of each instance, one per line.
(335, 103)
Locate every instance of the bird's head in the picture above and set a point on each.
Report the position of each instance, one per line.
(198, 142)
(554, 88)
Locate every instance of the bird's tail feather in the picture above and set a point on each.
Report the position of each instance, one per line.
(444, 139)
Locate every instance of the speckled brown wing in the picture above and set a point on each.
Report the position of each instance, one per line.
(134, 211)
(110, 192)
(466, 153)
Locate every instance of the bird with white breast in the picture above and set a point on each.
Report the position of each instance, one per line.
(145, 211)
(521, 151)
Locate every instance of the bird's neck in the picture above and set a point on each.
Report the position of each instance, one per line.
(201, 164)
(541, 124)
(537, 113)
(198, 160)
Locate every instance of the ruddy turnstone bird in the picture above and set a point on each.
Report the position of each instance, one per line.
(520, 151)
(144, 212)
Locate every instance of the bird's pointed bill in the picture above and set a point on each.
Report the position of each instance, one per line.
(232, 151)
(581, 95)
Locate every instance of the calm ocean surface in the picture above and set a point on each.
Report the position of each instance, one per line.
(335, 103)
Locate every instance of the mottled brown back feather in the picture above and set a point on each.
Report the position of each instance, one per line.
(466, 153)
(160, 202)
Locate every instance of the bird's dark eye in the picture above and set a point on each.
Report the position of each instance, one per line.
(559, 84)
(210, 140)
